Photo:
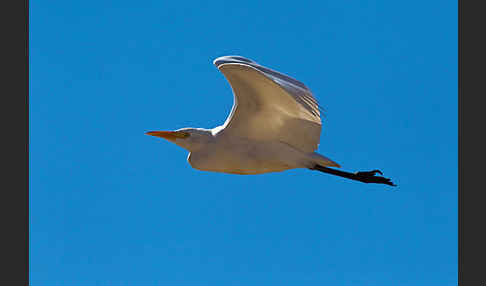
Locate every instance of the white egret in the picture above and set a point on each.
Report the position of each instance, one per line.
(274, 125)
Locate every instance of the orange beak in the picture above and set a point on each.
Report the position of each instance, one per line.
(168, 135)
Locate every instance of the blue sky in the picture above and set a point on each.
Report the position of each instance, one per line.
(112, 206)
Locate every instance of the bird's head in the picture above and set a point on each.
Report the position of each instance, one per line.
(190, 139)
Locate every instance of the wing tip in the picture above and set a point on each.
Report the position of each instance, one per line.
(232, 59)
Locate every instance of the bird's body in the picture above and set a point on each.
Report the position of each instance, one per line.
(244, 158)
(274, 125)
(228, 154)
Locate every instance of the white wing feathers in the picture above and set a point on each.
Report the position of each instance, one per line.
(269, 105)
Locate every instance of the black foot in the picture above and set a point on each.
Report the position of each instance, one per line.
(370, 177)
(365, 177)
(369, 173)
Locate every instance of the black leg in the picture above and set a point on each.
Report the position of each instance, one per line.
(365, 177)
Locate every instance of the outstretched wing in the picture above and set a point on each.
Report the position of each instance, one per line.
(269, 105)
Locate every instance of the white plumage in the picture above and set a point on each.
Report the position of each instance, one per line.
(274, 125)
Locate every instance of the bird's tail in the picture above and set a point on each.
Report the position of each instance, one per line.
(323, 161)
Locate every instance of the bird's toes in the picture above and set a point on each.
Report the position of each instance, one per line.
(369, 173)
(377, 171)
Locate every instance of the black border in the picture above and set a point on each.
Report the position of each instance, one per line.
(14, 211)
(471, 144)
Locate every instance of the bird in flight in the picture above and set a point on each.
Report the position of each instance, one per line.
(274, 125)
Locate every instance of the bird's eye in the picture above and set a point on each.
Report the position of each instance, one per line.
(182, 134)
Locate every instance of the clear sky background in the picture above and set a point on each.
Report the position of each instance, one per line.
(112, 206)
